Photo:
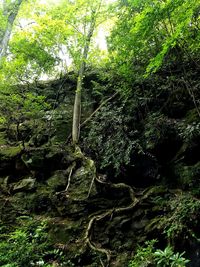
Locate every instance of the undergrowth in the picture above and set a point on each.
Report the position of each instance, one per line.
(150, 256)
(28, 245)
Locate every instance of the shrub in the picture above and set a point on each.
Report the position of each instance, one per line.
(158, 128)
(149, 256)
(180, 217)
(110, 140)
(190, 131)
(183, 216)
(144, 255)
(28, 245)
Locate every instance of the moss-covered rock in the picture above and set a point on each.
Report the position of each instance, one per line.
(58, 181)
(82, 180)
(39, 139)
(40, 203)
(8, 213)
(64, 230)
(45, 160)
(2, 137)
(34, 159)
(25, 185)
(8, 156)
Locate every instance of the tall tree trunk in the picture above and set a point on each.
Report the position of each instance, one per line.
(77, 101)
(10, 21)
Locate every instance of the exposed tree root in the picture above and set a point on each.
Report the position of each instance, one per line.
(111, 212)
(69, 177)
(91, 185)
(69, 180)
(89, 234)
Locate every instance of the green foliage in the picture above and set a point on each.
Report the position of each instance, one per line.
(32, 51)
(189, 132)
(110, 140)
(179, 218)
(48, 36)
(144, 255)
(23, 246)
(157, 128)
(2, 22)
(189, 177)
(18, 106)
(151, 31)
(183, 216)
(149, 256)
(28, 245)
(167, 257)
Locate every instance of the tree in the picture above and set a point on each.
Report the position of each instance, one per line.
(35, 49)
(94, 11)
(149, 30)
(20, 107)
(9, 12)
(82, 19)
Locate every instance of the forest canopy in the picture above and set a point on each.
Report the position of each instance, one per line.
(48, 36)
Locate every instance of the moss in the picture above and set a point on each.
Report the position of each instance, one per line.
(35, 159)
(78, 153)
(64, 230)
(10, 151)
(81, 180)
(37, 202)
(58, 181)
(25, 185)
(2, 138)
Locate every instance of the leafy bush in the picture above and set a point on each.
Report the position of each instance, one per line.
(149, 256)
(110, 140)
(157, 129)
(189, 132)
(21, 112)
(183, 216)
(180, 217)
(28, 245)
(167, 257)
(144, 255)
